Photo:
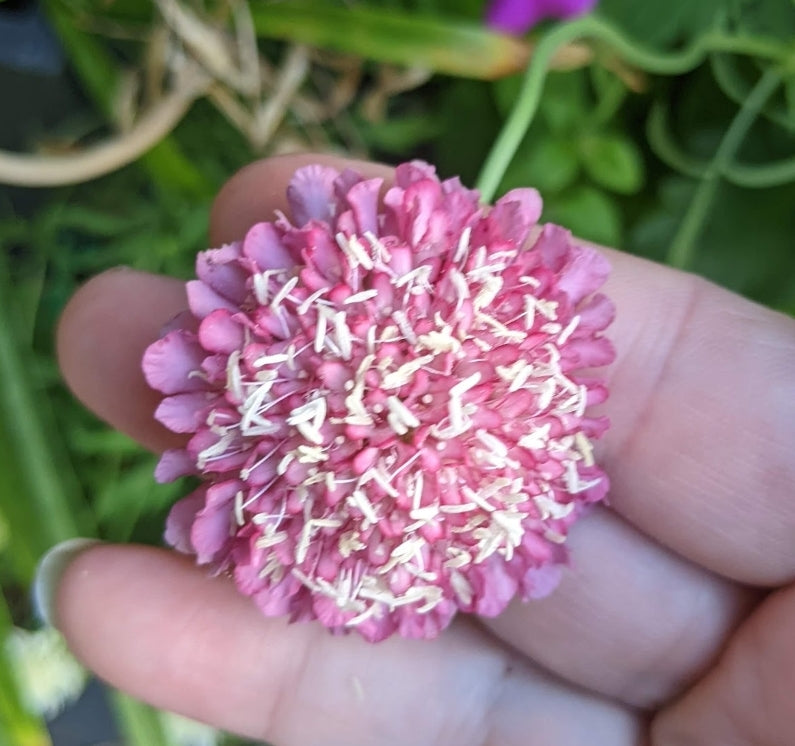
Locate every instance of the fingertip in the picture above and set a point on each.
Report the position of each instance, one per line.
(100, 340)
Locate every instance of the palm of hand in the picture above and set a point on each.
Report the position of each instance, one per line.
(664, 631)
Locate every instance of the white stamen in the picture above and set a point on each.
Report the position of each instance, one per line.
(320, 333)
(280, 357)
(360, 297)
(283, 292)
(343, 335)
(306, 304)
(568, 331)
(463, 246)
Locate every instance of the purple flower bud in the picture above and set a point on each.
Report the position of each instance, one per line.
(518, 16)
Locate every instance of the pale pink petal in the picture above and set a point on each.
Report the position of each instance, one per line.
(184, 413)
(540, 582)
(264, 246)
(180, 519)
(211, 529)
(171, 363)
(203, 300)
(311, 194)
(597, 313)
(173, 464)
(363, 198)
(220, 270)
(220, 333)
(585, 272)
(524, 211)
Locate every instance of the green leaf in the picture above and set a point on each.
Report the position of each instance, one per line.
(139, 723)
(663, 23)
(613, 161)
(769, 18)
(548, 163)
(401, 135)
(588, 213)
(565, 101)
(444, 45)
(37, 466)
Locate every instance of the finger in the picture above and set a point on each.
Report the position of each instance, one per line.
(747, 699)
(630, 620)
(101, 339)
(150, 623)
(703, 415)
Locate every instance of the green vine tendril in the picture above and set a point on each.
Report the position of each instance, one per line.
(600, 31)
(682, 246)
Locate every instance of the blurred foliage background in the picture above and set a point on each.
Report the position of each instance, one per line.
(665, 129)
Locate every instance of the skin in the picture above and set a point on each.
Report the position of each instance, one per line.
(673, 627)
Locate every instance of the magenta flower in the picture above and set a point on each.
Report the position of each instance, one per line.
(385, 404)
(518, 16)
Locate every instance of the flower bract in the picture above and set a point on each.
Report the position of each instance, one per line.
(387, 400)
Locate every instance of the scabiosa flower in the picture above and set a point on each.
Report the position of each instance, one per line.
(518, 16)
(385, 402)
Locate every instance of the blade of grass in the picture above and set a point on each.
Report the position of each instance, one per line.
(18, 727)
(140, 724)
(49, 489)
(445, 45)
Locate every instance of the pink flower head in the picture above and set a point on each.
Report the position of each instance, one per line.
(385, 404)
(518, 16)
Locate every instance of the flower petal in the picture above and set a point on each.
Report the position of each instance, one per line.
(184, 413)
(211, 528)
(173, 464)
(220, 333)
(203, 300)
(180, 519)
(264, 247)
(219, 269)
(170, 364)
(311, 194)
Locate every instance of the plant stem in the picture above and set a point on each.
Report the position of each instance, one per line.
(682, 247)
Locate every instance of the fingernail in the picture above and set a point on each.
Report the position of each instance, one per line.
(49, 572)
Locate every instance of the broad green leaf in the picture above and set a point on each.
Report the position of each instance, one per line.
(447, 46)
(613, 161)
(548, 163)
(588, 213)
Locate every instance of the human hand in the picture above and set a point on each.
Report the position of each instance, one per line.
(667, 630)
